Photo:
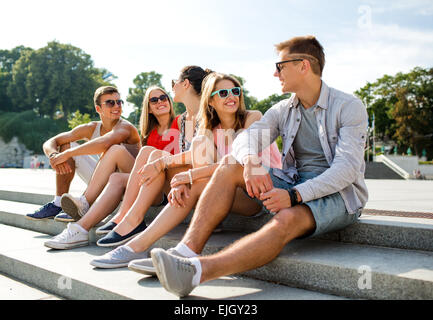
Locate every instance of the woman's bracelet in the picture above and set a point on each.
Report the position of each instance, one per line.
(190, 176)
(164, 164)
(53, 154)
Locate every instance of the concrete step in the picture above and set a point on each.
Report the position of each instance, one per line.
(338, 269)
(68, 274)
(395, 232)
(12, 289)
(14, 214)
(379, 170)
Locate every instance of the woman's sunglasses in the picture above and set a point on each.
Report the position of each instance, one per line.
(162, 97)
(111, 103)
(224, 93)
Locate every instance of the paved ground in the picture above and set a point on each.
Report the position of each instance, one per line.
(11, 289)
(385, 195)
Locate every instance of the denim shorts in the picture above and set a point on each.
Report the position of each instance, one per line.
(329, 212)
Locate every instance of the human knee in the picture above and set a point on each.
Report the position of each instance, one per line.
(292, 222)
(228, 168)
(145, 152)
(115, 149)
(117, 178)
(155, 154)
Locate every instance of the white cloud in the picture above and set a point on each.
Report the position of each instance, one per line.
(421, 7)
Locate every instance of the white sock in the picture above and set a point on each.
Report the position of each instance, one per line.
(197, 276)
(184, 250)
(82, 229)
(56, 201)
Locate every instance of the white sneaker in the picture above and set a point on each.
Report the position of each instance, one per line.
(74, 207)
(71, 237)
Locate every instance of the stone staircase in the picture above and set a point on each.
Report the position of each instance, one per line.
(379, 170)
(378, 258)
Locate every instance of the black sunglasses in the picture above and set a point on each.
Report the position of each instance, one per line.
(278, 64)
(162, 97)
(110, 103)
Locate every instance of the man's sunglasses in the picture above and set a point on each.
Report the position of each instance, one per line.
(162, 97)
(110, 103)
(278, 64)
(224, 93)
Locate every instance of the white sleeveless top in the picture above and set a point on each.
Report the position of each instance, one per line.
(133, 149)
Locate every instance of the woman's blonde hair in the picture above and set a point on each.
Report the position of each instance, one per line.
(207, 114)
(148, 121)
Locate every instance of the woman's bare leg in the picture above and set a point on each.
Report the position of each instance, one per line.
(133, 186)
(147, 195)
(166, 220)
(107, 201)
(116, 157)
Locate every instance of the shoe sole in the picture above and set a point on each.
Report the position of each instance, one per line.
(158, 263)
(39, 219)
(63, 220)
(60, 246)
(70, 208)
(102, 265)
(142, 270)
(102, 232)
(114, 244)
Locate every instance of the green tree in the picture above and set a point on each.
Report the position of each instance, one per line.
(7, 61)
(136, 94)
(403, 108)
(31, 129)
(265, 104)
(56, 78)
(77, 118)
(249, 100)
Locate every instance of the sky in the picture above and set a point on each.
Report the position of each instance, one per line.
(363, 39)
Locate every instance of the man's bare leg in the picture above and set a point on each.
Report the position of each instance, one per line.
(260, 247)
(107, 201)
(63, 181)
(214, 205)
(116, 157)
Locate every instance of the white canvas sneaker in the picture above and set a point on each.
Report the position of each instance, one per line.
(71, 237)
(74, 207)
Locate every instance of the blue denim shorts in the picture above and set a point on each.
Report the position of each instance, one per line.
(329, 212)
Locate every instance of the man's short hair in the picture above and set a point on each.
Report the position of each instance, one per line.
(101, 91)
(308, 46)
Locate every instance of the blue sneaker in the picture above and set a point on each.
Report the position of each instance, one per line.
(64, 217)
(113, 239)
(48, 211)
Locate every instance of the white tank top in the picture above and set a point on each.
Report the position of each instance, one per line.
(133, 149)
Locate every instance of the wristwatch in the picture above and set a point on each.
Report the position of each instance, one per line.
(294, 197)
